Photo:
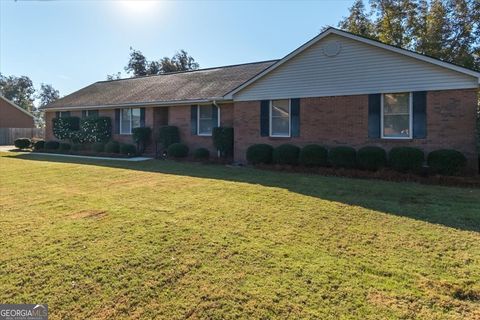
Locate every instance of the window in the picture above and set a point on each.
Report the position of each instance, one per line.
(129, 119)
(280, 118)
(206, 120)
(90, 113)
(63, 114)
(397, 116)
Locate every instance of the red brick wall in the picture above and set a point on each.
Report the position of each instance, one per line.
(343, 120)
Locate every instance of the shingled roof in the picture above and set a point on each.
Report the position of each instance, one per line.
(204, 84)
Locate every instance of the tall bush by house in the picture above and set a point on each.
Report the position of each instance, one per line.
(343, 157)
(286, 154)
(446, 161)
(406, 159)
(223, 140)
(177, 150)
(66, 128)
(141, 136)
(371, 158)
(22, 143)
(259, 154)
(95, 129)
(313, 155)
(167, 135)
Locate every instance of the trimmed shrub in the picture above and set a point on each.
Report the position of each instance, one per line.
(259, 153)
(98, 147)
(22, 143)
(128, 149)
(141, 135)
(286, 154)
(371, 158)
(201, 154)
(446, 161)
(77, 147)
(112, 147)
(167, 135)
(177, 150)
(64, 146)
(94, 129)
(66, 128)
(406, 159)
(39, 145)
(52, 145)
(343, 157)
(313, 155)
(223, 140)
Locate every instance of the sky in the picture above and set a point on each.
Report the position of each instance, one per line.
(71, 44)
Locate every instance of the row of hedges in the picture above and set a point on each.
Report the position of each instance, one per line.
(402, 159)
(87, 130)
(111, 147)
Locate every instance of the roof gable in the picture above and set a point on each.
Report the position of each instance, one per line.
(16, 107)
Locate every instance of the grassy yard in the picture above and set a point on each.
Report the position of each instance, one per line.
(159, 239)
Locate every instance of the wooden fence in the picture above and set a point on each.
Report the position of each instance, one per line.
(8, 135)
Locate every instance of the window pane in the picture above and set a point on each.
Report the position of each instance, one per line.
(396, 103)
(135, 118)
(280, 126)
(92, 113)
(396, 126)
(206, 112)
(205, 126)
(125, 121)
(280, 108)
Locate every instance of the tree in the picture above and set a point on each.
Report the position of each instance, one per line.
(358, 21)
(137, 63)
(19, 90)
(184, 62)
(114, 76)
(46, 95)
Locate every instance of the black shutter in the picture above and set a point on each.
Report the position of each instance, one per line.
(84, 113)
(117, 121)
(295, 117)
(264, 118)
(420, 115)
(193, 119)
(214, 116)
(374, 101)
(142, 117)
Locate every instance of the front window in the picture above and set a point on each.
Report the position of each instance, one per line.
(397, 115)
(280, 118)
(129, 119)
(63, 114)
(91, 113)
(205, 120)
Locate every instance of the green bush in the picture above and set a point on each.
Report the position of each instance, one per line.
(446, 161)
(39, 145)
(94, 129)
(313, 155)
(201, 154)
(22, 143)
(64, 146)
(177, 150)
(371, 158)
(77, 147)
(141, 136)
(223, 140)
(112, 147)
(98, 147)
(128, 149)
(343, 157)
(406, 159)
(66, 128)
(259, 153)
(167, 136)
(286, 154)
(52, 145)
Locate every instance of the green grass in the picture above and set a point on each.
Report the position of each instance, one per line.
(159, 239)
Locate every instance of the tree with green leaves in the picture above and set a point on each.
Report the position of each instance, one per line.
(358, 21)
(19, 90)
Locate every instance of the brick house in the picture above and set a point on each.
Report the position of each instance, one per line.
(336, 89)
(13, 116)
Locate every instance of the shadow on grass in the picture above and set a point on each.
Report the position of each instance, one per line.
(452, 207)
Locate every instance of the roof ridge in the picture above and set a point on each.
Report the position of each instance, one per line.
(189, 71)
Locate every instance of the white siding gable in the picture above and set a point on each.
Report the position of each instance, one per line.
(359, 68)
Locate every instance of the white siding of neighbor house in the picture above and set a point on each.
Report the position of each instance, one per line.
(359, 68)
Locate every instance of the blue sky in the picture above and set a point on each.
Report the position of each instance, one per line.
(71, 44)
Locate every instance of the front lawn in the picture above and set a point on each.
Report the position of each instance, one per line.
(159, 239)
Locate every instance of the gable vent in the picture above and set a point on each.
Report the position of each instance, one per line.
(332, 49)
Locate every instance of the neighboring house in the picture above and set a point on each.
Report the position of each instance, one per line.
(337, 89)
(13, 116)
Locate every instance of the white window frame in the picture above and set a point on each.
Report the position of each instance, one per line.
(410, 117)
(60, 114)
(289, 120)
(121, 120)
(198, 119)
